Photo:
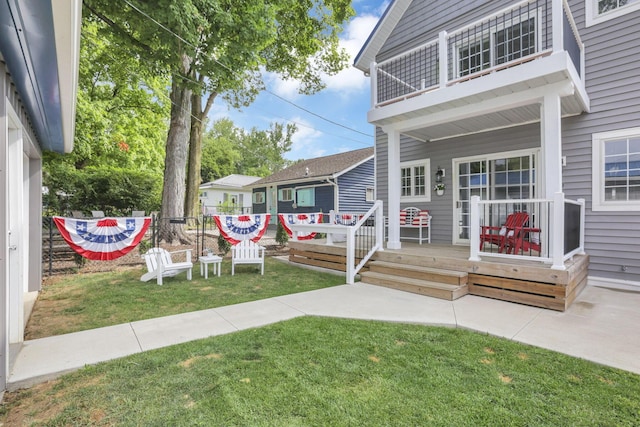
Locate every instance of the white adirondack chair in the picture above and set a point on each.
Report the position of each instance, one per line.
(247, 252)
(160, 264)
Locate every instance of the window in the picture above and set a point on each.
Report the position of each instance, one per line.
(306, 197)
(369, 194)
(598, 11)
(258, 197)
(513, 40)
(285, 194)
(616, 170)
(415, 181)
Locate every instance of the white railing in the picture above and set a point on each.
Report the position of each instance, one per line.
(550, 231)
(540, 27)
(363, 233)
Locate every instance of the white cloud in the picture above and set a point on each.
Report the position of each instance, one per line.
(307, 141)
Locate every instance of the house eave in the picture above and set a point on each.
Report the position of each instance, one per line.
(501, 99)
(40, 42)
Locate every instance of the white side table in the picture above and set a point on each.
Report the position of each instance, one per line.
(214, 260)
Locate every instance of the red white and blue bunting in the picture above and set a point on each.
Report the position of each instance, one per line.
(236, 228)
(309, 218)
(102, 239)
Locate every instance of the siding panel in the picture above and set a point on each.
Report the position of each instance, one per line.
(352, 188)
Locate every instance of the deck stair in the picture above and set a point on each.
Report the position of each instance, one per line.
(433, 282)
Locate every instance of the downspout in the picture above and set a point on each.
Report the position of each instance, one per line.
(336, 198)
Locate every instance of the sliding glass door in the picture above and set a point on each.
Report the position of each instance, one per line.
(498, 176)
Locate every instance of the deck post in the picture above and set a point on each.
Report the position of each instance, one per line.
(351, 256)
(393, 195)
(474, 229)
(557, 232)
(557, 12)
(582, 203)
(442, 56)
(551, 132)
(379, 221)
(373, 73)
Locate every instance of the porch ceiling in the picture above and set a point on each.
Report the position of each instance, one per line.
(501, 99)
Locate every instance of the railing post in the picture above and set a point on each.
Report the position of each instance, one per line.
(443, 58)
(379, 225)
(557, 232)
(474, 229)
(373, 73)
(332, 220)
(351, 249)
(582, 203)
(557, 25)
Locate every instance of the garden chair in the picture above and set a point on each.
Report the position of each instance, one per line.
(524, 239)
(160, 265)
(247, 252)
(499, 235)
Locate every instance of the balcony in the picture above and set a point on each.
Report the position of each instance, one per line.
(488, 74)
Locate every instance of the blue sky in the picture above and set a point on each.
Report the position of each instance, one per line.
(345, 100)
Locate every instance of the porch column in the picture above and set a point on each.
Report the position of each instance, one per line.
(551, 133)
(393, 190)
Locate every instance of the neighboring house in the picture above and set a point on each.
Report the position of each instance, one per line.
(341, 182)
(231, 194)
(39, 53)
(512, 100)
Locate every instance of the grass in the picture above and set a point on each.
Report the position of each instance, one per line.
(85, 301)
(330, 372)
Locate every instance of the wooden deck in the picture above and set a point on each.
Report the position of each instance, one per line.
(521, 281)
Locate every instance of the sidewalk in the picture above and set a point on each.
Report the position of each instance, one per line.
(600, 326)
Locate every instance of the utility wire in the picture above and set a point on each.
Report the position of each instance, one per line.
(237, 75)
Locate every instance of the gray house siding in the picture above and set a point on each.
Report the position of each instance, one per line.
(613, 83)
(352, 188)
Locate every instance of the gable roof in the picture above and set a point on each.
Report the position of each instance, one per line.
(319, 168)
(380, 33)
(231, 181)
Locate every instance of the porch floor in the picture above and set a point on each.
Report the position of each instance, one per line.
(523, 281)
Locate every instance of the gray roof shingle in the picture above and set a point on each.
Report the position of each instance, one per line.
(319, 167)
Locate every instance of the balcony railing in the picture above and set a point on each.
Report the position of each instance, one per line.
(550, 231)
(520, 33)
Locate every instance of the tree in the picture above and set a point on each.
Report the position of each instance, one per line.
(217, 47)
(220, 153)
(263, 151)
(120, 123)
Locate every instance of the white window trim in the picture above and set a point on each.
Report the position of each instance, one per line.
(370, 194)
(281, 192)
(427, 180)
(593, 18)
(259, 195)
(490, 34)
(597, 171)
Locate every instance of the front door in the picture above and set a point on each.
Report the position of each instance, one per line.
(497, 176)
(272, 204)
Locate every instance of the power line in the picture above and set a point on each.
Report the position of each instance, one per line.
(237, 75)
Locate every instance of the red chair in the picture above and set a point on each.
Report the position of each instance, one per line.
(499, 235)
(524, 239)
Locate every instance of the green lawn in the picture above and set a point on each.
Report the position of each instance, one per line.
(85, 301)
(330, 372)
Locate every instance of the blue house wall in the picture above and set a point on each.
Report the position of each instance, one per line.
(324, 198)
(352, 188)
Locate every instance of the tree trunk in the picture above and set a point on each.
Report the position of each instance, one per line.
(173, 191)
(195, 152)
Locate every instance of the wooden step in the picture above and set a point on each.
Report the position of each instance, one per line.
(429, 274)
(417, 286)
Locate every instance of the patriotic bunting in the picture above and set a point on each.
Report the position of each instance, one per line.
(310, 218)
(236, 228)
(102, 239)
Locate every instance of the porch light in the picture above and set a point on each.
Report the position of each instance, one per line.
(439, 174)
